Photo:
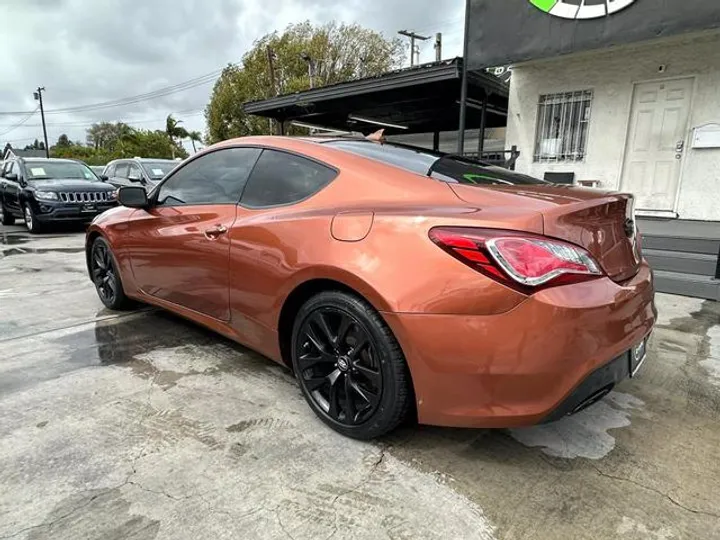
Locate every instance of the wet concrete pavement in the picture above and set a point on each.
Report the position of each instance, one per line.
(141, 425)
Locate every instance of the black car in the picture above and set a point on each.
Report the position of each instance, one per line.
(146, 172)
(46, 191)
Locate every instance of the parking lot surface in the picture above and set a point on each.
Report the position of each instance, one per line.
(140, 426)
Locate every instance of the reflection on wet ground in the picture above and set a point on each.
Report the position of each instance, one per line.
(12, 239)
(24, 251)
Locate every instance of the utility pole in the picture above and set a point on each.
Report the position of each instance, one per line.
(38, 97)
(311, 68)
(413, 36)
(273, 86)
(464, 83)
(438, 46)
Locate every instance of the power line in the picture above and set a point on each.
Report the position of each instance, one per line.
(20, 123)
(160, 92)
(185, 113)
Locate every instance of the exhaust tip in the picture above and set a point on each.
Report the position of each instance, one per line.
(593, 398)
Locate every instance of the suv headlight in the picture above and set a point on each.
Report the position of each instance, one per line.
(46, 195)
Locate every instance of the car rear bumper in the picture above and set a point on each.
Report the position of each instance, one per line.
(534, 363)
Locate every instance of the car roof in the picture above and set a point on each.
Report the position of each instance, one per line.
(46, 160)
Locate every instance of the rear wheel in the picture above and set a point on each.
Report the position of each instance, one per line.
(31, 221)
(106, 277)
(7, 217)
(351, 369)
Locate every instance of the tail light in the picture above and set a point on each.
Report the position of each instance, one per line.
(522, 261)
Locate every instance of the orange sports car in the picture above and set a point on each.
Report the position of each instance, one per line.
(392, 280)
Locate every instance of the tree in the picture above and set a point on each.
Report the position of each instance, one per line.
(106, 134)
(194, 136)
(124, 142)
(36, 145)
(174, 130)
(338, 53)
(63, 141)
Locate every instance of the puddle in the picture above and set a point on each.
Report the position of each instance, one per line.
(159, 345)
(28, 251)
(712, 363)
(11, 239)
(584, 434)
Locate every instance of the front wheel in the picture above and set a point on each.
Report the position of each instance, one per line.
(351, 369)
(31, 222)
(106, 277)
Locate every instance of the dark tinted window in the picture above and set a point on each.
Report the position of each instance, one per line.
(215, 178)
(445, 167)
(282, 178)
(415, 160)
(121, 170)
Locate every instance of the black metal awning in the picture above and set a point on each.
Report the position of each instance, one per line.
(420, 99)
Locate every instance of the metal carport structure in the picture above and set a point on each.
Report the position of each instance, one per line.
(420, 99)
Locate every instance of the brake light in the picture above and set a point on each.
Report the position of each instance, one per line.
(523, 261)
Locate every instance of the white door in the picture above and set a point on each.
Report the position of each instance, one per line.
(656, 143)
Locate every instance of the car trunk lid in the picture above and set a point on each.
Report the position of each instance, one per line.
(601, 222)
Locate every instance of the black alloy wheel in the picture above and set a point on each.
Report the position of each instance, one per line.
(349, 365)
(105, 276)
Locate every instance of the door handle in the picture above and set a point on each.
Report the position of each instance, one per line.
(680, 146)
(214, 232)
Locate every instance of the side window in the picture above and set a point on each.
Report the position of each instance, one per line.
(109, 171)
(282, 178)
(215, 178)
(12, 168)
(121, 170)
(134, 171)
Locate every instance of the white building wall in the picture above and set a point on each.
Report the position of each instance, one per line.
(611, 74)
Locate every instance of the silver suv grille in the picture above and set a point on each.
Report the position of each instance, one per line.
(83, 197)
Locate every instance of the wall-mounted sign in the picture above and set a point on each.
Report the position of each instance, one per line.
(567, 9)
(706, 136)
(503, 32)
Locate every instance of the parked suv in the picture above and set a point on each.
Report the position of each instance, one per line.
(137, 171)
(45, 191)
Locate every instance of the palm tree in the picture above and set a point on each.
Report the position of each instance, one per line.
(194, 136)
(174, 130)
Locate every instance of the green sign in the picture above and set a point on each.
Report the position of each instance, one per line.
(580, 9)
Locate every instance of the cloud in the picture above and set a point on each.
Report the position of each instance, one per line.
(88, 51)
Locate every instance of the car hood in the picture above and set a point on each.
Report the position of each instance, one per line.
(69, 184)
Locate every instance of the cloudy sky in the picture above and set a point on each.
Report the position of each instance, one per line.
(87, 52)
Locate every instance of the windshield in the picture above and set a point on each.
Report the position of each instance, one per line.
(155, 170)
(50, 170)
(446, 167)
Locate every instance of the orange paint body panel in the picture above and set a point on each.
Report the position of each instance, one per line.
(480, 353)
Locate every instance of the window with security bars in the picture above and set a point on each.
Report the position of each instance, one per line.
(562, 126)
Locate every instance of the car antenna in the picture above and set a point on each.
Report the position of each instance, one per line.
(377, 136)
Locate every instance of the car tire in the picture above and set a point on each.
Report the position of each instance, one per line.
(7, 217)
(342, 347)
(31, 222)
(104, 274)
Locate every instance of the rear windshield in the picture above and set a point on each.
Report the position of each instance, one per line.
(446, 167)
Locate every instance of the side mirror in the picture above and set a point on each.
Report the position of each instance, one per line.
(11, 176)
(133, 197)
(104, 177)
(135, 178)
